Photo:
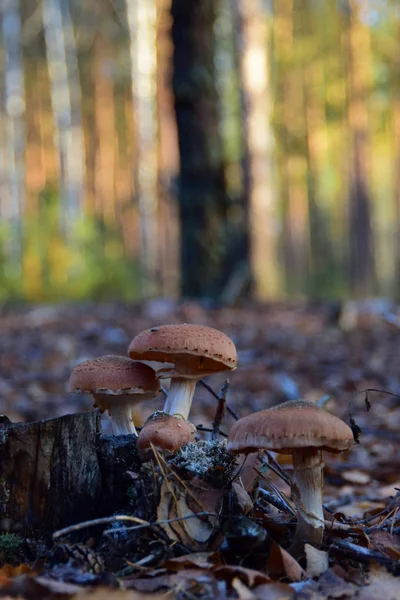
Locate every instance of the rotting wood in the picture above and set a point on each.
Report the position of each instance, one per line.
(60, 471)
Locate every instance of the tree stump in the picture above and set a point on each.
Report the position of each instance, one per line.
(61, 471)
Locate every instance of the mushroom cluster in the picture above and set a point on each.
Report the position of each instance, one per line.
(189, 353)
(119, 383)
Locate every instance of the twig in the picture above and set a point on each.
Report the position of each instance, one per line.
(276, 468)
(203, 513)
(209, 430)
(228, 408)
(220, 410)
(280, 495)
(94, 522)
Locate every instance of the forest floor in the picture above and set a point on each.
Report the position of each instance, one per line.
(319, 352)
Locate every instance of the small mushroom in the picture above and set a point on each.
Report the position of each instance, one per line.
(116, 383)
(166, 433)
(195, 351)
(304, 430)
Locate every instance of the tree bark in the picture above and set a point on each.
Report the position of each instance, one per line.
(58, 472)
(202, 196)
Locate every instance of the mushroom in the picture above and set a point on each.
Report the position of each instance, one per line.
(302, 429)
(116, 383)
(195, 351)
(165, 432)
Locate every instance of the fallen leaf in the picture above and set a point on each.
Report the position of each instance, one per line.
(243, 499)
(275, 590)
(361, 509)
(386, 543)
(249, 577)
(381, 585)
(242, 591)
(7, 572)
(201, 560)
(357, 477)
(328, 587)
(107, 594)
(191, 531)
(281, 564)
(317, 561)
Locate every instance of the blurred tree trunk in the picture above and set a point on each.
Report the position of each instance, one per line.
(202, 194)
(12, 163)
(66, 104)
(105, 131)
(362, 270)
(168, 158)
(253, 27)
(292, 163)
(142, 21)
(321, 256)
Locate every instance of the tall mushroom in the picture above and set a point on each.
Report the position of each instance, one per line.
(303, 430)
(164, 432)
(116, 383)
(195, 351)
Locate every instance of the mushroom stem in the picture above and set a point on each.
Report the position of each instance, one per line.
(307, 490)
(180, 396)
(122, 422)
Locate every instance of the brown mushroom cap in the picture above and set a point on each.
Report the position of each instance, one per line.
(114, 375)
(194, 349)
(166, 433)
(288, 426)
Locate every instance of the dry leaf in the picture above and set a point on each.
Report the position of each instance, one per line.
(281, 564)
(328, 587)
(201, 560)
(381, 585)
(191, 531)
(361, 509)
(7, 572)
(250, 577)
(242, 591)
(317, 561)
(387, 544)
(274, 591)
(108, 594)
(242, 497)
(356, 477)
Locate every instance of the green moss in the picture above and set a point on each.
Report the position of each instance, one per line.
(11, 548)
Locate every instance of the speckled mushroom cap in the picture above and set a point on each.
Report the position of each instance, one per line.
(290, 426)
(166, 433)
(195, 350)
(114, 375)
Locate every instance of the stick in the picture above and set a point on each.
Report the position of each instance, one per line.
(220, 410)
(228, 408)
(208, 430)
(93, 523)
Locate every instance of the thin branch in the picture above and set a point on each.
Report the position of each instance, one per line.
(209, 430)
(164, 522)
(280, 495)
(94, 523)
(276, 467)
(213, 393)
(219, 414)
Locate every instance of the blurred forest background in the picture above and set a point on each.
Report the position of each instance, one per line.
(204, 148)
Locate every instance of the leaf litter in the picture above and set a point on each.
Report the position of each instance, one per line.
(241, 528)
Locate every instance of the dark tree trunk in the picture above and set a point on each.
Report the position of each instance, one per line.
(203, 204)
